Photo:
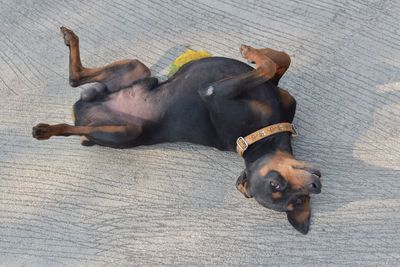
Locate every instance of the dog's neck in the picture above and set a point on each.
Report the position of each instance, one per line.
(268, 147)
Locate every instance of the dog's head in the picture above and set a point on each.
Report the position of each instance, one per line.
(282, 183)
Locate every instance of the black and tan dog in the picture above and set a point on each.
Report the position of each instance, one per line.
(218, 102)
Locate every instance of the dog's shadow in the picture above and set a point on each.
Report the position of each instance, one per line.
(358, 169)
(160, 67)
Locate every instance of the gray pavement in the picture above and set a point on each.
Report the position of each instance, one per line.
(175, 204)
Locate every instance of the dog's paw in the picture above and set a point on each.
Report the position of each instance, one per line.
(246, 52)
(41, 131)
(68, 36)
(86, 142)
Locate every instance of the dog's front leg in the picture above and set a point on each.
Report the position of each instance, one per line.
(107, 135)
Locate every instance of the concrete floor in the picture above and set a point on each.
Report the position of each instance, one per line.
(175, 204)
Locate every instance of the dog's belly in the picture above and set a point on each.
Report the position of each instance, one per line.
(136, 105)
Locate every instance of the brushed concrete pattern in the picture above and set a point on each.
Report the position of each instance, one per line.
(175, 204)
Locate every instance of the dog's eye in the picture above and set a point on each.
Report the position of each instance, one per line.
(275, 186)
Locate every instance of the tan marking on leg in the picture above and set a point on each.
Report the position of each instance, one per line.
(117, 75)
(84, 139)
(264, 64)
(281, 59)
(285, 98)
(260, 57)
(261, 108)
(73, 115)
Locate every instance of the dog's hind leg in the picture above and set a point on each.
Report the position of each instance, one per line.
(115, 76)
(234, 86)
(231, 87)
(262, 56)
(108, 135)
(282, 61)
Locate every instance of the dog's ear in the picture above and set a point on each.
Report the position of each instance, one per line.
(242, 184)
(299, 217)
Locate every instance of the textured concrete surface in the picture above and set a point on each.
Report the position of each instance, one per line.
(67, 205)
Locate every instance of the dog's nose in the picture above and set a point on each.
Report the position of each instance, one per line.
(315, 186)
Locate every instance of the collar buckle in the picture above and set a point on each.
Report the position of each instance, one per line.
(242, 143)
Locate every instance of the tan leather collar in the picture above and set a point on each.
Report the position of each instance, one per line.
(242, 143)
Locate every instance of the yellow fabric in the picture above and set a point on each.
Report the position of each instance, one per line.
(186, 57)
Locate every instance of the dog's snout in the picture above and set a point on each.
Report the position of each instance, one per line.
(314, 172)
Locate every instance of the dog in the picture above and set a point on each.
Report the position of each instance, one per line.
(217, 102)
